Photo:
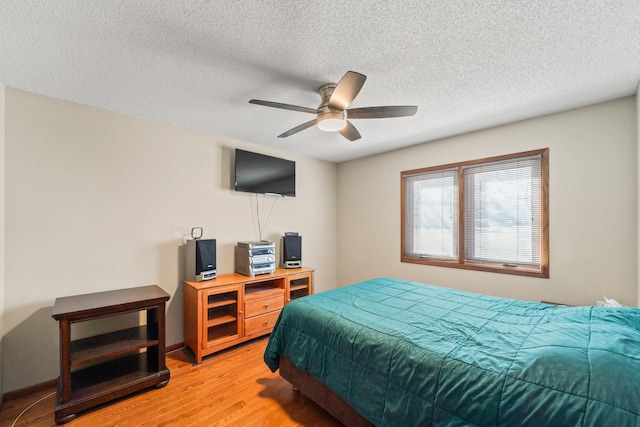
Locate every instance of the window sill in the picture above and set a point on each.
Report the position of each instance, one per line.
(489, 267)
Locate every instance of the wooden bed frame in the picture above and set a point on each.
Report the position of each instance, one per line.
(322, 395)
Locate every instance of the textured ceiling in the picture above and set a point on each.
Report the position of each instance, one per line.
(195, 64)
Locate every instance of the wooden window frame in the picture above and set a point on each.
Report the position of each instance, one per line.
(542, 271)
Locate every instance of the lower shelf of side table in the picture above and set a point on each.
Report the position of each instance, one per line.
(98, 384)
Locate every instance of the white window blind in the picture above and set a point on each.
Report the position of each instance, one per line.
(431, 213)
(502, 210)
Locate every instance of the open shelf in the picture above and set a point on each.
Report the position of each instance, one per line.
(299, 287)
(222, 332)
(105, 346)
(298, 293)
(221, 303)
(294, 288)
(267, 286)
(106, 377)
(222, 299)
(222, 313)
(221, 320)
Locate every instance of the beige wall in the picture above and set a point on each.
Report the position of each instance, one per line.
(98, 201)
(593, 207)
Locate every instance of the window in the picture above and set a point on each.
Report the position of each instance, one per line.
(489, 214)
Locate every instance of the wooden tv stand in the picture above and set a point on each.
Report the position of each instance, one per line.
(105, 367)
(233, 308)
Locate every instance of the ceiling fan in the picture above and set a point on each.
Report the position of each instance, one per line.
(332, 113)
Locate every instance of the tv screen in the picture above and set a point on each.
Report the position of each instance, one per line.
(258, 173)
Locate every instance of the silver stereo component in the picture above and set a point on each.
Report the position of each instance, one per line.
(261, 247)
(262, 259)
(254, 258)
(255, 269)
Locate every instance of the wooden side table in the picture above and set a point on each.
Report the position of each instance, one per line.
(105, 367)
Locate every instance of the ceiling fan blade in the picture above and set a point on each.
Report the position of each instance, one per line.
(381, 112)
(347, 89)
(298, 128)
(350, 132)
(283, 106)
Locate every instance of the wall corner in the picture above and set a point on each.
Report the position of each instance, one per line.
(638, 194)
(2, 240)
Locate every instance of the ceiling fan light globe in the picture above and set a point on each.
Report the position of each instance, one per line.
(332, 125)
(332, 121)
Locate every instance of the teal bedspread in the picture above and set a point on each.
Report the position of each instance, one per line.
(404, 353)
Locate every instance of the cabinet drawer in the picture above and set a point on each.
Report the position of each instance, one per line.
(263, 305)
(260, 323)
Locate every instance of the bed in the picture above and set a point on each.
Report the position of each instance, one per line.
(389, 352)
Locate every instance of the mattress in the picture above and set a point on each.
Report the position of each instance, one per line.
(404, 353)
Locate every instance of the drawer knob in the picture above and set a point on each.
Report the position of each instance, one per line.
(266, 322)
(266, 306)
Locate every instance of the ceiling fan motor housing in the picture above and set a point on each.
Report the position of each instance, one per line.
(330, 119)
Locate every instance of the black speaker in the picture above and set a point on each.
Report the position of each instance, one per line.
(201, 260)
(291, 251)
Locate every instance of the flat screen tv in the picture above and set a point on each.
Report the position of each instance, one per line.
(262, 174)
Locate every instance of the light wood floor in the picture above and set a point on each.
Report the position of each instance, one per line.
(230, 388)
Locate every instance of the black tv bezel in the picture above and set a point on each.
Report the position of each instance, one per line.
(273, 160)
